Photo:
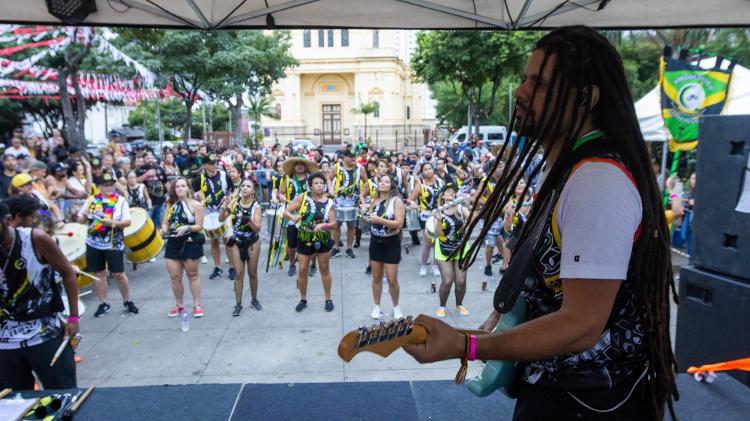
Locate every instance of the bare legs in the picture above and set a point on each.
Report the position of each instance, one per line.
(190, 267)
(391, 274)
(304, 270)
(101, 286)
(252, 272)
(450, 272)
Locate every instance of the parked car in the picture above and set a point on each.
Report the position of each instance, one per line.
(488, 134)
(303, 143)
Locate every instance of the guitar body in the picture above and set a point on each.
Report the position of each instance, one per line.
(502, 375)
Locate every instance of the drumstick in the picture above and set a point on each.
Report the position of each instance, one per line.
(5, 392)
(65, 234)
(88, 275)
(68, 415)
(73, 341)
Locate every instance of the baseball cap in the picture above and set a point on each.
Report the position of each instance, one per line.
(19, 180)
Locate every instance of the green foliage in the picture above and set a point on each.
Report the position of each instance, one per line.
(473, 64)
(257, 108)
(366, 108)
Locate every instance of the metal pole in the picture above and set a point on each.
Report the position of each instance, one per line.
(468, 123)
(106, 121)
(158, 123)
(203, 114)
(510, 102)
(663, 175)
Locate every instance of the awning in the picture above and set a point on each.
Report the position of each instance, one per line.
(404, 14)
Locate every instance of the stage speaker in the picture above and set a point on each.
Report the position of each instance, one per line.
(712, 320)
(721, 224)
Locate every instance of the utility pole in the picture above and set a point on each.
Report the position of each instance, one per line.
(469, 123)
(203, 113)
(158, 123)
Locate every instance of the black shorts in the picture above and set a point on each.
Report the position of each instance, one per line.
(385, 249)
(245, 245)
(98, 260)
(181, 249)
(17, 366)
(291, 236)
(305, 250)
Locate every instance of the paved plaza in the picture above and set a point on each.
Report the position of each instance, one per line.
(273, 345)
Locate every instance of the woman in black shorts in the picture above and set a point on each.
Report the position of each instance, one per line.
(314, 220)
(183, 228)
(245, 213)
(386, 214)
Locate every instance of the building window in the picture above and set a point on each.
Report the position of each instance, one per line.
(307, 38)
(278, 111)
(321, 38)
(330, 37)
(344, 37)
(375, 38)
(376, 113)
(408, 112)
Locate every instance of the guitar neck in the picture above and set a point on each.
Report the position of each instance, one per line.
(385, 338)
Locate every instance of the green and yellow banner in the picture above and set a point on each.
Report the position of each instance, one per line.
(688, 92)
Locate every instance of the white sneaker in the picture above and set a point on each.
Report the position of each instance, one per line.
(423, 271)
(376, 312)
(204, 260)
(152, 260)
(226, 260)
(397, 314)
(435, 270)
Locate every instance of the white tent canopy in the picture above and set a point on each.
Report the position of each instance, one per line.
(404, 14)
(648, 108)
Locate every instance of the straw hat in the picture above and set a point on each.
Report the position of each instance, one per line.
(288, 165)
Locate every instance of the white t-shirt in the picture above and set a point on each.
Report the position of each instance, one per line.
(22, 150)
(598, 214)
(121, 213)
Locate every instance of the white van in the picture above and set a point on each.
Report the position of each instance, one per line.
(488, 134)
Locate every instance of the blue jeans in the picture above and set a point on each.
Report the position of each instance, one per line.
(156, 213)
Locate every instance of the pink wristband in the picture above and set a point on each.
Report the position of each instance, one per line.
(73, 319)
(472, 355)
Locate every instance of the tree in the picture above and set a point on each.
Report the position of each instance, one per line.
(258, 108)
(472, 63)
(250, 63)
(366, 109)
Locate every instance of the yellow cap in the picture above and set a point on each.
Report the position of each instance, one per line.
(20, 180)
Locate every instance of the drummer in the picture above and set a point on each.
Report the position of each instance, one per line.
(450, 224)
(406, 187)
(183, 228)
(368, 195)
(293, 183)
(245, 216)
(424, 197)
(316, 217)
(344, 182)
(107, 214)
(386, 214)
(211, 185)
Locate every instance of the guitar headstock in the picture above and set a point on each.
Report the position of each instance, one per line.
(381, 339)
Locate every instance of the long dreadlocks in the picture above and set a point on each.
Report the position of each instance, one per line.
(582, 60)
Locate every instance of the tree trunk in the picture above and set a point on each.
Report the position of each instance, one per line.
(70, 127)
(188, 120)
(236, 110)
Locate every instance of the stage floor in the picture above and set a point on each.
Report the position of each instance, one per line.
(724, 400)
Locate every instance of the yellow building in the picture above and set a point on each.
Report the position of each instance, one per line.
(339, 69)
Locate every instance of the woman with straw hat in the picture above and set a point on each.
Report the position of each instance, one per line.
(292, 184)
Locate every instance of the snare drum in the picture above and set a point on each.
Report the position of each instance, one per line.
(412, 219)
(212, 227)
(346, 214)
(72, 239)
(142, 240)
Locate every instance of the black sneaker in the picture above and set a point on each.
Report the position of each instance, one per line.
(368, 271)
(313, 270)
(301, 305)
(103, 308)
(501, 271)
(329, 305)
(356, 244)
(131, 307)
(335, 252)
(292, 270)
(496, 258)
(350, 253)
(231, 274)
(237, 310)
(488, 270)
(256, 305)
(341, 244)
(216, 273)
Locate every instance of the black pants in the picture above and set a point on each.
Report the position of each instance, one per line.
(16, 366)
(537, 403)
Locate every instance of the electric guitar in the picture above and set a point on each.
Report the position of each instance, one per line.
(505, 375)
(385, 338)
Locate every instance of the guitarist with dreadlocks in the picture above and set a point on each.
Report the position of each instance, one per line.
(596, 288)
